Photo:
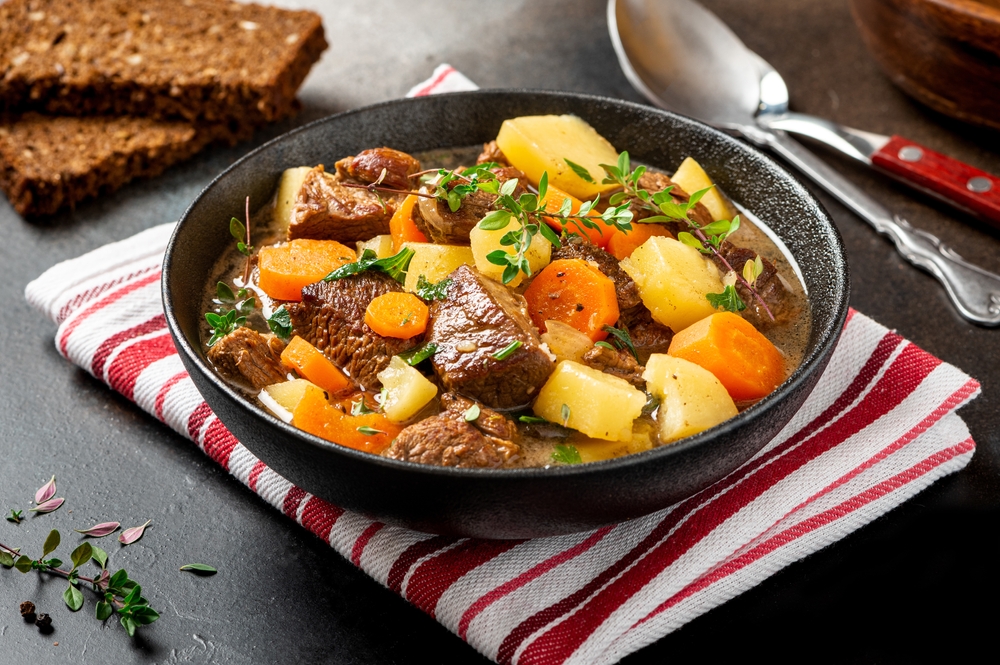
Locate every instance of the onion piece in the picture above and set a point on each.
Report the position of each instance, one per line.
(429, 211)
(565, 341)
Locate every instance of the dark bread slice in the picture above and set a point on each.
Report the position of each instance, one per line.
(205, 61)
(50, 162)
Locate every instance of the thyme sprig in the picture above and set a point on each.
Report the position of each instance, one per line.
(117, 592)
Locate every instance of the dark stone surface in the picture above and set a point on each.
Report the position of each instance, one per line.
(905, 588)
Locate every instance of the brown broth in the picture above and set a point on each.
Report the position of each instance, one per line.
(537, 441)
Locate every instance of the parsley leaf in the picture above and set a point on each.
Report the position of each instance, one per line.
(280, 323)
(430, 291)
(728, 300)
(418, 355)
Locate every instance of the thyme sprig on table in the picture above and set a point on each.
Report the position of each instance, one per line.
(117, 592)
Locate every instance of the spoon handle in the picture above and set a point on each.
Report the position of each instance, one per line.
(974, 291)
(956, 182)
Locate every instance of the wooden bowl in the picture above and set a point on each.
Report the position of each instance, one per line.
(944, 53)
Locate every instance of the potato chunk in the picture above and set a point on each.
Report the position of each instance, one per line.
(381, 245)
(434, 262)
(673, 281)
(407, 391)
(690, 177)
(590, 401)
(282, 398)
(691, 398)
(288, 191)
(483, 242)
(542, 143)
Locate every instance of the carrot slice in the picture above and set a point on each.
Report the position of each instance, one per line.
(576, 293)
(553, 200)
(402, 227)
(313, 365)
(728, 346)
(369, 432)
(285, 269)
(622, 244)
(397, 314)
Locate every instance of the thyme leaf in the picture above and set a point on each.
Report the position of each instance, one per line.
(418, 355)
(566, 454)
(508, 350)
(622, 340)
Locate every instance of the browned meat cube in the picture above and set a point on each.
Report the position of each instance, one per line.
(436, 220)
(618, 363)
(366, 167)
(248, 358)
(445, 440)
(331, 317)
(478, 320)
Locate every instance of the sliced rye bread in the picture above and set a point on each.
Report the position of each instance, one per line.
(51, 162)
(205, 61)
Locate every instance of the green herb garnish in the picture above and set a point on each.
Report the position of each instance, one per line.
(416, 356)
(280, 323)
(507, 351)
(430, 291)
(622, 340)
(395, 266)
(472, 413)
(728, 300)
(566, 454)
(564, 412)
(359, 408)
(15, 516)
(532, 420)
(371, 431)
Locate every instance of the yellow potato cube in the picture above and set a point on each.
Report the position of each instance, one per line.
(407, 391)
(282, 398)
(483, 242)
(691, 178)
(434, 262)
(642, 439)
(542, 143)
(381, 245)
(588, 400)
(673, 281)
(288, 191)
(691, 398)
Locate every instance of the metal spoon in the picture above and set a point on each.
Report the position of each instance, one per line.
(683, 58)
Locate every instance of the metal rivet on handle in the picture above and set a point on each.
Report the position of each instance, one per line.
(979, 184)
(911, 153)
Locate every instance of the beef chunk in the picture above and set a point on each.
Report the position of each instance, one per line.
(574, 247)
(447, 440)
(648, 336)
(769, 286)
(366, 167)
(331, 317)
(657, 182)
(326, 209)
(436, 220)
(478, 319)
(618, 363)
(249, 359)
(490, 422)
(492, 153)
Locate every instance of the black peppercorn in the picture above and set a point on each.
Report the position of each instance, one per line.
(28, 611)
(44, 622)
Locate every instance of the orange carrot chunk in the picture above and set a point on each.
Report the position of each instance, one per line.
(622, 243)
(285, 269)
(576, 293)
(728, 346)
(553, 200)
(369, 432)
(397, 314)
(311, 364)
(402, 227)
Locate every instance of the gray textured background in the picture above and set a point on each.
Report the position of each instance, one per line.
(893, 592)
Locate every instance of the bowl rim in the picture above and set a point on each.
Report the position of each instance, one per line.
(811, 362)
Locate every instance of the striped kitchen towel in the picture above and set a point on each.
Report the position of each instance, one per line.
(879, 427)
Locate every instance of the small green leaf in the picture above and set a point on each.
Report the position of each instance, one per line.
(532, 420)
(280, 323)
(73, 598)
(370, 431)
(507, 189)
(6, 560)
(51, 543)
(23, 563)
(395, 266)
(224, 293)
(580, 171)
(729, 300)
(472, 413)
(236, 229)
(15, 516)
(145, 615)
(103, 610)
(496, 220)
(566, 454)
(622, 340)
(99, 556)
(564, 412)
(129, 624)
(543, 185)
(81, 554)
(118, 579)
(199, 568)
(430, 291)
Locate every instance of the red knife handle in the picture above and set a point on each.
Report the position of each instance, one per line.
(959, 184)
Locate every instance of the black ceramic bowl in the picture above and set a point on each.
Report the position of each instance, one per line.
(511, 503)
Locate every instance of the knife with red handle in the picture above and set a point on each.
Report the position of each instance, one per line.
(963, 186)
